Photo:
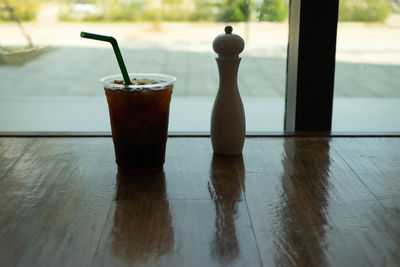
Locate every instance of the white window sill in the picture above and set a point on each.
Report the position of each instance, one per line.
(90, 114)
(188, 115)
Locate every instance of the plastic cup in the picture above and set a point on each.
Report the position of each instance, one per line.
(139, 121)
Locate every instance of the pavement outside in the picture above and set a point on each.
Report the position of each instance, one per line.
(368, 58)
(367, 66)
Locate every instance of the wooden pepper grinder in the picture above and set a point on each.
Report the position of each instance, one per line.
(228, 124)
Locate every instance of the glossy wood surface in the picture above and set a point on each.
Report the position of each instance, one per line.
(287, 201)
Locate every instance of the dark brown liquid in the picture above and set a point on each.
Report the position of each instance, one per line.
(139, 124)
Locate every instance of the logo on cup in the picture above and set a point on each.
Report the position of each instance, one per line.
(145, 129)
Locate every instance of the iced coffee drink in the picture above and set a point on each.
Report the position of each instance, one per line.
(139, 120)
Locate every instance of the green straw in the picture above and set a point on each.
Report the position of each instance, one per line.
(116, 51)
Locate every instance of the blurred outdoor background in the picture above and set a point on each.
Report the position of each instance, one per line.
(42, 55)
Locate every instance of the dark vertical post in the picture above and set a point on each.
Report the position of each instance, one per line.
(311, 65)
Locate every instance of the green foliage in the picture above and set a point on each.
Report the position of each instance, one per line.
(235, 10)
(172, 10)
(120, 10)
(172, 13)
(364, 10)
(172, 2)
(205, 11)
(25, 10)
(131, 10)
(273, 10)
(108, 10)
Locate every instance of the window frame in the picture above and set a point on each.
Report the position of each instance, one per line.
(310, 66)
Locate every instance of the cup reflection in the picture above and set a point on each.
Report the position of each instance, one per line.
(226, 179)
(142, 230)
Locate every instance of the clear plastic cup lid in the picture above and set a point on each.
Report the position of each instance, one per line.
(156, 81)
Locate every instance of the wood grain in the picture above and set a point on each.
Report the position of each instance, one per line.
(376, 161)
(11, 149)
(287, 201)
(312, 210)
(151, 223)
(54, 202)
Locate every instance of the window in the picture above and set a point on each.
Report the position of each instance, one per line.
(367, 84)
(58, 88)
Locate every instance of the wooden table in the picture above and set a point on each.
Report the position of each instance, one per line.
(290, 201)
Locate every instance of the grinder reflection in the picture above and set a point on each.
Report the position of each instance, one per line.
(227, 178)
(142, 222)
